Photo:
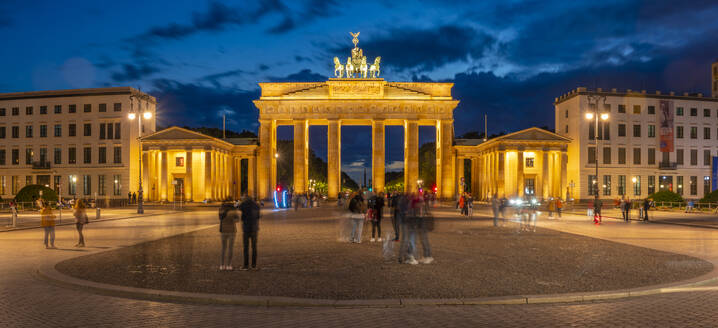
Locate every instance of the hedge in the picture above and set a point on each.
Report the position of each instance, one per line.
(27, 193)
(666, 196)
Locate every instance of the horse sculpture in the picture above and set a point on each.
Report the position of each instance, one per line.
(338, 68)
(363, 68)
(349, 68)
(375, 70)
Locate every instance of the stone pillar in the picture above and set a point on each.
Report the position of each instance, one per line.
(500, 173)
(266, 170)
(444, 158)
(411, 155)
(564, 184)
(459, 174)
(334, 163)
(520, 173)
(378, 155)
(188, 191)
(251, 174)
(301, 159)
(208, 174)
(545, 176)
(145, 177)
(476, 180)
(163, 177)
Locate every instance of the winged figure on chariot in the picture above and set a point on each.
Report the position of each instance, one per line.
(356, 65)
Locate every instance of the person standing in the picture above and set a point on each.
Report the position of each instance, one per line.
(356, 209)
(47, 221)
(646, 207)
(250, 229)
(129, 197)
(622, 207)
(627, 209)
(551, 205)
(495, 204)
(134, 198)
(378, 213)
(228, 218)
(395, 218)
(559, 207)
(81, 219)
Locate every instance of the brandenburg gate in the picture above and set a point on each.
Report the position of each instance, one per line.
(357, 96)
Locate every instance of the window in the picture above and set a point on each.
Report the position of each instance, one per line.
(621, 155)
(637, 156)
(2, 132)
(651, 184)
(652, 110)
(87, 108)
(679, 180)
(179, 161)
(72, 130)
(15, 111)
(694, 157)
(679, 132)
(118, 107)
(621, 108)
(604, 131)
(2, 159)
(72, 185)
(43, 131)
(102, 155)
(707, 157)
(58, 130)
(566, 115)
(87, 155)
(43, 155)
(101, 185)
(117, 130)
(56, 185)
(102, 131)
(622, 185)
(72, 108)
(3, 182)
(606, 185)
(591, 155)
(43, 110)
(706, 133)
(606, 155)
(621, 130)
(28, 156)
(694, 111)
(116, 190)
(58, 156)
(87, 130)
(679, 156)
(102, 108)
(694, 185)
(651, 131)
(679, 111)
(706, 185)
(28, 180)
(15, 184)
(651, 156)
(636, 109)
(86, 185)
(28, 110)
(117, 150)
(3, 111)
(706, 112)
(58, 109)
(694, 132)
(28, 131)
(71, 155)
(636, 130)
(565, 130)
(16, 132)
(15, 156)
(110, 131)
(592, 185)
(666, 157)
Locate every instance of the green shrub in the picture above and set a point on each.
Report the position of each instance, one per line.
(27, 193)
(712, 197)
(666, 196)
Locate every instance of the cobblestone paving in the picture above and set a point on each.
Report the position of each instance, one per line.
(28, 301)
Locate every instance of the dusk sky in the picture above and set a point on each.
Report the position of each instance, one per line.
(508, 59)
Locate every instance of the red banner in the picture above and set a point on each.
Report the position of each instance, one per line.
(666, 126)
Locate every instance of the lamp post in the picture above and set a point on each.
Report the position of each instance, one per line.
(594, 99)
(146, 114)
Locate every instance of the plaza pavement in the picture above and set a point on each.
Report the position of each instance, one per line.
(30, 219)
(28, 300)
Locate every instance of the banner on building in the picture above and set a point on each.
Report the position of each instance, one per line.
(666, 126)
(714, 174)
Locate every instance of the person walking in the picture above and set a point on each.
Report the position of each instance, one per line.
(597, 219)
(80, 214)
(378, 213)
(129, 197)
(627, 209)
(622, 207)
(356, 208)
(551, 206)
(408, 232)
(134, 198)
(559, 207)
(250, 230)
(424, 223)
(646, 207)
(228, 218)
(495, 204)
(47, 221)
(396, 216)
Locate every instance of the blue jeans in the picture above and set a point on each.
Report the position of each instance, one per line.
(50, 231)
(356, 230)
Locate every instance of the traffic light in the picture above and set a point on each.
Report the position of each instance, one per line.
(279, 188)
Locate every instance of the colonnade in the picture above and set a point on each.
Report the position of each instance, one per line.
(267, 172)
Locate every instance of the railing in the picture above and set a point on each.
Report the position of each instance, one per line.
(667, 165)
(40, 165)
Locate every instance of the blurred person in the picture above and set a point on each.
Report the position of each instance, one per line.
(559, 206)
(250, 230)
(356, 208)
(47, 221)
(378, 214)
(80, 214)
(646, 207)
(495, 204)
(395, 219)
(228, 218)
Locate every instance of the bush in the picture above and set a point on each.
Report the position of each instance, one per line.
(666, 196)
(27, 193)
(711, 197)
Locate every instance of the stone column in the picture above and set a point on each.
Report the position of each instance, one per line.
(378, 155)
(476, 180)
(411, 155)
(520, 173)
(564, 184)
(266, 170)
(301, 128)
(145, 177)
(251, 174)
(500, 173)
(334, 163)
(444, 158)
(208, 174)
(459, 174)
(545, 176)
(163, 177)
(188, 190)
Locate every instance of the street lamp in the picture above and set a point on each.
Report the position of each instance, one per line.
(146, 114)
(594, 100)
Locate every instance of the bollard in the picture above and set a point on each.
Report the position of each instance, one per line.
(14, 219)
(97, 213)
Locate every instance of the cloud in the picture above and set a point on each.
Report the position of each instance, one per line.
(216, 78)
(134, 72)
(305, 75)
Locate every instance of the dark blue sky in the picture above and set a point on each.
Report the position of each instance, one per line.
(509, 59)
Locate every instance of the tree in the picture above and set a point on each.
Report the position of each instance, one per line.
(427, 164)
(31, 192)
(317, 167)
(666, 196)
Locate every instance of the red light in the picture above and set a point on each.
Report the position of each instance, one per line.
(279, 188)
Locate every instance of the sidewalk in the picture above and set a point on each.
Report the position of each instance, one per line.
(31, 219)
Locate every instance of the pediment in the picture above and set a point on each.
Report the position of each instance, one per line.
(534, 134)
(176, 133)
